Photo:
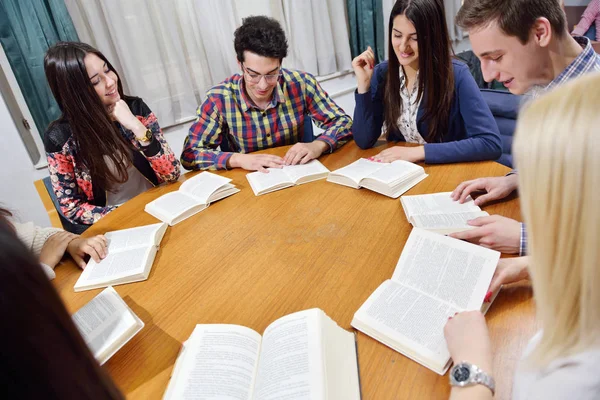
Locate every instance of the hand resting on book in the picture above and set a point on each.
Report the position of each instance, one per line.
(468, 339)
(412, 154)
(65, 242)
(494, 232)
(509, 270)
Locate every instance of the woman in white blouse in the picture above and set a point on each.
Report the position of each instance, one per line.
(557, 151)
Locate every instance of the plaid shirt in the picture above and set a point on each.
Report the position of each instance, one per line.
(586, 62)
(228, 114)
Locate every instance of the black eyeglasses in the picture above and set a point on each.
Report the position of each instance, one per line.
(255, 78)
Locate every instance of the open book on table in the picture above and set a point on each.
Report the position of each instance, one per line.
(193, 196)
(288, 176)
(304, 355)
(436, 277)
(130, 256)
(437, 212)
(106, 324)
(390, 179)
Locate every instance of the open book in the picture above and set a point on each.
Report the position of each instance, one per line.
(289, 175)
(436, 277)
(130, 256)
(304, 355)
(106, 324)
(193, 196)
(390, 179)
(437, 212)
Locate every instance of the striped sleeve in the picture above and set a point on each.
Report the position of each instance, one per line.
(327, 115)
(205, 135)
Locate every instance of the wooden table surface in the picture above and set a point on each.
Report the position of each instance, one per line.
(249, 260)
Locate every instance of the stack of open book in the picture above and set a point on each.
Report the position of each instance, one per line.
(304, 355)
(106, 324)
(130, 256)
(193, 196)
(288, 176)
(436, 277)
(437, 212)
(389, 179)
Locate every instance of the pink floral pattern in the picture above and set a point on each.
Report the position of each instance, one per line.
(73, 184)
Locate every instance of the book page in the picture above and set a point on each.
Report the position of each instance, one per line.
(297, 172)
(291, 365)
(359, 169)
(439, 221)
(203, 185)
(143, 236)
(341, 361)
(260, 181)
(105, 323)
(448, 269)
(395, 171)
(173, 204)
(436, 203)
(219, 362)
(115, 266)
(399, 315)
(224, 191)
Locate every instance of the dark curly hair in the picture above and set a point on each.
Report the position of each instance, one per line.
(260, 35)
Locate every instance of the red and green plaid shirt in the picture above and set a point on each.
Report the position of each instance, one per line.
(229, 115)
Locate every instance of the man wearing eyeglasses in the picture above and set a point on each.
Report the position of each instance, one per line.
(264, 106)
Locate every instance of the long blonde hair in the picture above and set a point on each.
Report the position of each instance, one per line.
(557, 152)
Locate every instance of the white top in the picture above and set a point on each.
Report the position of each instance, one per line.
(136, 183)
(575, 377)
(407, 122)
(34, 238)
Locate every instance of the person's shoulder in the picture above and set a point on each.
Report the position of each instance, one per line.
(295, 76)
(137, 105)
(380, 71)
(381, 68)
(225, 89)
(56, 135)
(462, 74)
(459, 68)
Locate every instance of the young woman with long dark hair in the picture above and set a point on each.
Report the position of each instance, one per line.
(43, 355)
(106, 147)
(421, 95)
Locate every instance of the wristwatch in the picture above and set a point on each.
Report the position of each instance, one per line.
(467, 374)
(147, 136)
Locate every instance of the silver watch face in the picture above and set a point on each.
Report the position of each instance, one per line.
(461, 373)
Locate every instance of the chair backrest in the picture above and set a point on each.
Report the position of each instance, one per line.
(67, 225)
(505, 109)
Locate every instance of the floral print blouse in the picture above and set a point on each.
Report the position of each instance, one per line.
(79, 200)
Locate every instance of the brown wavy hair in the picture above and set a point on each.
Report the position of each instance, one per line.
(96, 136)
(514, 17)
(44, 356)
(436, 76)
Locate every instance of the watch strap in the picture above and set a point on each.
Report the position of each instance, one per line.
(477, 376)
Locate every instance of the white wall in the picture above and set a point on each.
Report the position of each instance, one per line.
(17, 174)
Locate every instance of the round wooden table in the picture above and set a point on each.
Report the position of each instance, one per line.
(249, 260)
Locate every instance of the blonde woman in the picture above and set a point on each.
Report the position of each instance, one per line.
(557, 151)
